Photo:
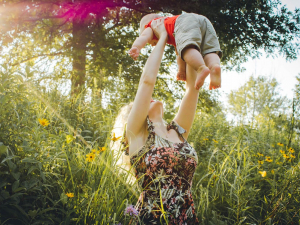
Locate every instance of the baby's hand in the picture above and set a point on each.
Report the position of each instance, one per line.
(134, 52)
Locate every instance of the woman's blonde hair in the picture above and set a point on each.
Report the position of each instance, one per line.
(122, 160)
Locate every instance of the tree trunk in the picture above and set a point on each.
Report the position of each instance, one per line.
(78, 77)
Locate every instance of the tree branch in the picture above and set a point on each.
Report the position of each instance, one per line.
(37, 56)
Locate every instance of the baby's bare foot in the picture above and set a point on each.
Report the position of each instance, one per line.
(202, 73)
(181, 76)
(215, 77)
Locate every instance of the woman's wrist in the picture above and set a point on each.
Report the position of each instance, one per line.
(163, 38)
(164, 35)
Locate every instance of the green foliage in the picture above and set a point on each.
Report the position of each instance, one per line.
(259, 97)
(297, 98)
(227, 184)
(87, 41)
(26, 196)
(54, 169)
(44, 157)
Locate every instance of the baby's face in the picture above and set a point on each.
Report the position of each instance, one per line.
(153, 42)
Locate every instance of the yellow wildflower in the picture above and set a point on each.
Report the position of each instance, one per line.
(205, 139)
(272, 171)
(282, 152)
(69, 138)
(215, 141)
(263, 173)
(70, 195)
(44, 122)
(286, 156)
(291, 150)
(90, 157)
(102, 149)
(260, 162)
(94, 151)
(269, 159)
(279, 163)
(259, 154)
(292, 156)
(114, 138)
(280, 144)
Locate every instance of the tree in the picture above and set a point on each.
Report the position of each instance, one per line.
(88, 39)
(259, 96)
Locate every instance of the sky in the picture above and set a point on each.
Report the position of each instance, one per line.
(285, 72)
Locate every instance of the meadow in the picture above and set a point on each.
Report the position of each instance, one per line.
(65, 73)
(57, 164)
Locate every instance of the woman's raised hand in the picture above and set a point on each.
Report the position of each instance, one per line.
(158, 28)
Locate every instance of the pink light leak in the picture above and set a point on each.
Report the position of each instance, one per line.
(26, 11)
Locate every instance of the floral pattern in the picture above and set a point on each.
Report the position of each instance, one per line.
(164, 171)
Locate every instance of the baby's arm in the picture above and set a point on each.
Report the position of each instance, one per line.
(140, 43)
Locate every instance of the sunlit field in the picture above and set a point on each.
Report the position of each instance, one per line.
(65, 74)
(57, 164)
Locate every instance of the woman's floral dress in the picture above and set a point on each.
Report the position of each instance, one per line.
(164, 171)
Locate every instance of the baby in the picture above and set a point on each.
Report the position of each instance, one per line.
(195, 42)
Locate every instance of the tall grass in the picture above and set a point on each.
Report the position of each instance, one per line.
(65, 172)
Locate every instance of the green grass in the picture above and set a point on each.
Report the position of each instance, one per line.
(41, 164)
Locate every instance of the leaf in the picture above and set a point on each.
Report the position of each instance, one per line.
(32, 213)
(5, 194)
(7, 158)
(42, 176)
(265, 199)
(15, 185)
(19, 77)
(4, 99)
(63, 198)
(87, 131)
(16, 175)
(11, 165)
(3, 183)
(29, 160)
(27, 69)
(31, 169)
(20, 189)
(3, 149)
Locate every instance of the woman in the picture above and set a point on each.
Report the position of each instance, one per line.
(164, 162)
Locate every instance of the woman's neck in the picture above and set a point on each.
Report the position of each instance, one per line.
(158, 123)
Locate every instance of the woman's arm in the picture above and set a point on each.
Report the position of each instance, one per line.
(187, 109)
(137, 117)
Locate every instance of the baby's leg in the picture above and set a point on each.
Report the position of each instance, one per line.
(194, 58)
(212, 60)
(181, 75)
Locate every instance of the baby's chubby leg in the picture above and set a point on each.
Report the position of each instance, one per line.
(212, 60)
(181, 75)
(194, 58)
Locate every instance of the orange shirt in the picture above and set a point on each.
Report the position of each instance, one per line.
(169, 25)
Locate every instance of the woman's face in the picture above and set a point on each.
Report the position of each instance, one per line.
(156, 108)
(153, 42)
